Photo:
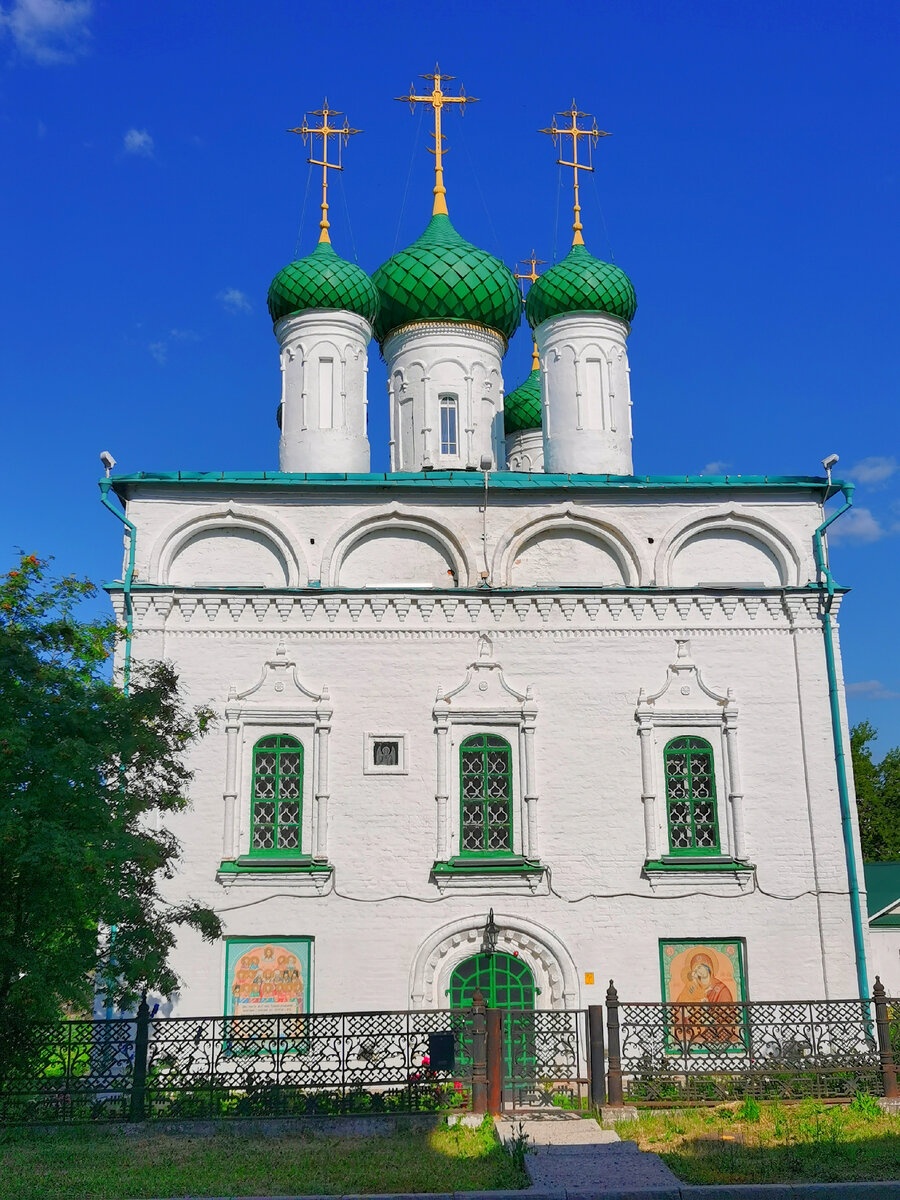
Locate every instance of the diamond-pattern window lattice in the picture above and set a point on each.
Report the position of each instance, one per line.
(486, 794)
(691, 796)
(276, 805)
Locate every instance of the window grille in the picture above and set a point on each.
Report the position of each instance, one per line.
(485, 784)
(449, 415)
(277, 801)
(691, 797)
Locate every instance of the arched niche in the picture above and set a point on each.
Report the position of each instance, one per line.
(397, 556)
(569, 550)
(228, 556)
(727, 556)
(567, 557)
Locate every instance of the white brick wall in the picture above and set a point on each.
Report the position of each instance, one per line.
(384, 654)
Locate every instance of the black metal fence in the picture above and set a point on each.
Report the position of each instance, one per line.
(220, 1067)
(177, 1068)
(786, 1050)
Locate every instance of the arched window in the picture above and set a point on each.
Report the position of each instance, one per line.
(449, 423)
(277, 800)
(485, 788)
(691, 797)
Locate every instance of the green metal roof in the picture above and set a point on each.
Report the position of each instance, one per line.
(580, 283)
(322, 280)
(499, 480)
(882, 891)
(522, 407)
(442, 277)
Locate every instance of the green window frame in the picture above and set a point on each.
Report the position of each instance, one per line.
(276, 811)
(485, 795)
(691, 809)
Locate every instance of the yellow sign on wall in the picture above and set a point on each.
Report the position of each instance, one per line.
(589, 977)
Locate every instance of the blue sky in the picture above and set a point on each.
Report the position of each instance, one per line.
(750, 189)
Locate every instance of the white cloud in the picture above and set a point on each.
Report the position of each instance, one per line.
(871, 689)
(48, 31)
(859, 525)
(715, 468)
(873, 470)
(233, 300)
(138, 141)
(160, 348)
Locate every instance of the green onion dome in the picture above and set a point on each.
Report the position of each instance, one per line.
(442, 277)
(580, 283)
(522, 408)
(322, 280)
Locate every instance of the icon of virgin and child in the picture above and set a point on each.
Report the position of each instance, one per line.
(706, 978)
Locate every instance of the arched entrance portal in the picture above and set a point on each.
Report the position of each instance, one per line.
(506, 982)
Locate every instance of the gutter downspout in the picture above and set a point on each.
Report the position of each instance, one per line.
(126, 582)
(840, 761)
(129, 628)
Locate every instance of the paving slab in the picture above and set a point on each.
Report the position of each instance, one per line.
(577, 1157)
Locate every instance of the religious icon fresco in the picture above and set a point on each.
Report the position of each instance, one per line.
(705, 983)
(267, 977)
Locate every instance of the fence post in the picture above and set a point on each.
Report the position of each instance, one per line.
(494, 1057)
(614, 1077)
(136, 1108)
(885, 1050)
(479, 1054)
(596, 1055)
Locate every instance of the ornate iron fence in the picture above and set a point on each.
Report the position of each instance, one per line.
(546, 1059)
(184, 1067)
(695, 1053)
(434, 1060)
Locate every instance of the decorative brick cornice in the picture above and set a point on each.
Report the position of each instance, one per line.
(467, 612)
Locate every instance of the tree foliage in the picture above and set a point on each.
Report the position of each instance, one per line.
(87, 777)
(877, 796)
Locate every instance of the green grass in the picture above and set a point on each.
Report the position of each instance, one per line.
(773, 1143)
(115, 1164)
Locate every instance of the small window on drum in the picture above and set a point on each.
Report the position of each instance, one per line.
(449, 424)
(384, 754)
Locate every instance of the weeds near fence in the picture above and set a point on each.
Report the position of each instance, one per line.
(773, 1142)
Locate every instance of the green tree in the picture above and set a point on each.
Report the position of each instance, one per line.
(877, 795)
(84, 770)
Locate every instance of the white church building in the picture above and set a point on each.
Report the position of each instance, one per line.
(508, 689)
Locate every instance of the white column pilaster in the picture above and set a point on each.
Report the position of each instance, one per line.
(232, 730)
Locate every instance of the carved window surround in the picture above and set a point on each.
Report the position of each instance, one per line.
(277, 703)
(484, 701)
(685, 705)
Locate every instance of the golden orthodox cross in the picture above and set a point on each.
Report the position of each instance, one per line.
(574, 131)
(342, 133)
(531, 276)
(437, 99)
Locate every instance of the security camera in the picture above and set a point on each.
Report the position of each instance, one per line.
(830, 462)
(108, 461)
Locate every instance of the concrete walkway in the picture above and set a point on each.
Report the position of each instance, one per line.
(569, 1153)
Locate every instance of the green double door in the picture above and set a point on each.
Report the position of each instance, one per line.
(506, 983)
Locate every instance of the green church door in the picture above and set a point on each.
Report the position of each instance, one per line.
(507, 983)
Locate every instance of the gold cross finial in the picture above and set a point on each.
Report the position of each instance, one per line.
(437, 99)
(343, 133)
(534, 262)
(574, 131)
